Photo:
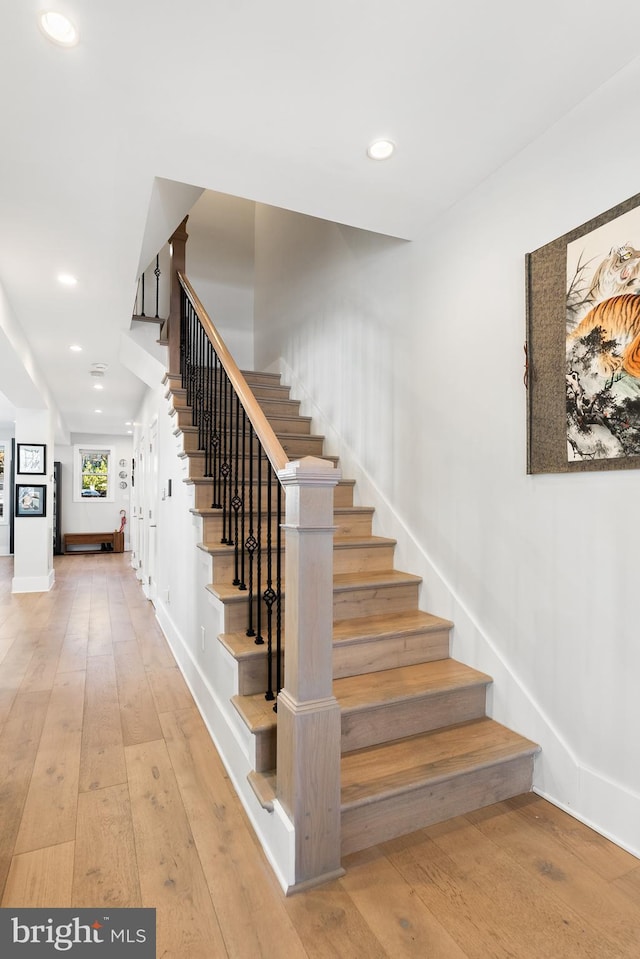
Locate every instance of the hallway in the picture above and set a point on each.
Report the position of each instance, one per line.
(112, 794)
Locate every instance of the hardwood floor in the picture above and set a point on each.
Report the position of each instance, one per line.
(111, 793)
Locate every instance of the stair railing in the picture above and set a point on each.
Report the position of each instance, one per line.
(153, 292)
(249, 470)
(242, 457)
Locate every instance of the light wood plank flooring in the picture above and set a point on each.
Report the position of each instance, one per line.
(111, 793)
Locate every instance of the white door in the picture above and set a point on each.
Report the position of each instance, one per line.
(151, 511)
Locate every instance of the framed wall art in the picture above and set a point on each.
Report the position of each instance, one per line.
(31, 500)
(32, 459)
(583, 346)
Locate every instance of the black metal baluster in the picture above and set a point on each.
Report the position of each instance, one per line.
(225, 468)
(215, 469)
(236, 502)
(243, 514)
(269, 593)
(251, 543)
(183, 335)
(279, 682)
(157, 274)
(233, 453)
(259, 640)
(206, 418)
(142, 288)
(199, 398)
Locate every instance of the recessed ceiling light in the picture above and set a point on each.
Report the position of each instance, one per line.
(75, 348)
(98, 386)
(381, 149)
(97, 411)
(58, 28)
(67, 279)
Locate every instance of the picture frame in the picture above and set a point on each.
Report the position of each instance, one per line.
(30, 500)
(582, 319)
(32, 459)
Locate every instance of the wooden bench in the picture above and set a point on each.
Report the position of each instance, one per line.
(101, 542)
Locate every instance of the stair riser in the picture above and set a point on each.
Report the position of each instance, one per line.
(349, 560)
(295, 448)
(236, 613)
(196, 466)
(279, 407)
(252, 675)
(212, 528)
(375, 655)
(178, 400)
(252, 377)
(359, 559)
(183, 420)
(392, 721)
(367, 602)
(257, 378)
(223, 568)
(343, 496)
(383, 599)
(368, 656)
(357, 523)
(266, 392)
(376, 822)
(383, 723)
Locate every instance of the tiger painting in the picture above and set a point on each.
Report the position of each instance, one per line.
(619, 320)
(618, 273)
(602, 337)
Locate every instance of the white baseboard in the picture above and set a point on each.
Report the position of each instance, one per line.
(33, 584)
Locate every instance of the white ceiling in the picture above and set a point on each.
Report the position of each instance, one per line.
(275, 102)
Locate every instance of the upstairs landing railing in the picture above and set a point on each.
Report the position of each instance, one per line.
(242, 457)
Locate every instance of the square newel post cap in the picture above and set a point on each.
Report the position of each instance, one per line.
(310, 471)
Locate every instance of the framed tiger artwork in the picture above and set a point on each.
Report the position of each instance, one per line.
(583, 346)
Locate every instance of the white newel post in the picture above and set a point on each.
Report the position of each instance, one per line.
(308, 751)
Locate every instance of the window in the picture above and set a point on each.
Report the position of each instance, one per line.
(93, 474)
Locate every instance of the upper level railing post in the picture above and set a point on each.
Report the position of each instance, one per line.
(308, 744)
(178, 244)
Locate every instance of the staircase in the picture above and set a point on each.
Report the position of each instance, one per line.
(417, 746)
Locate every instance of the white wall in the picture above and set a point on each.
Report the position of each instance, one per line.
(410, 357)
(192, 619)
(93, 516)
(220, 267)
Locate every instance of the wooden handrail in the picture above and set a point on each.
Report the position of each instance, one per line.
(270, 442)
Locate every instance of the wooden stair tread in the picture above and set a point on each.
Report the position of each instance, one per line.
(388, 768)
(407, 622)
(405, 682)
(264, 786)
(339, 542)
(373, 579)
(359, 630)
(402, 684)
(339, 511)
(203, 480)
(280, 420)
(256, 711)
(242, 646)
(199, 454)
